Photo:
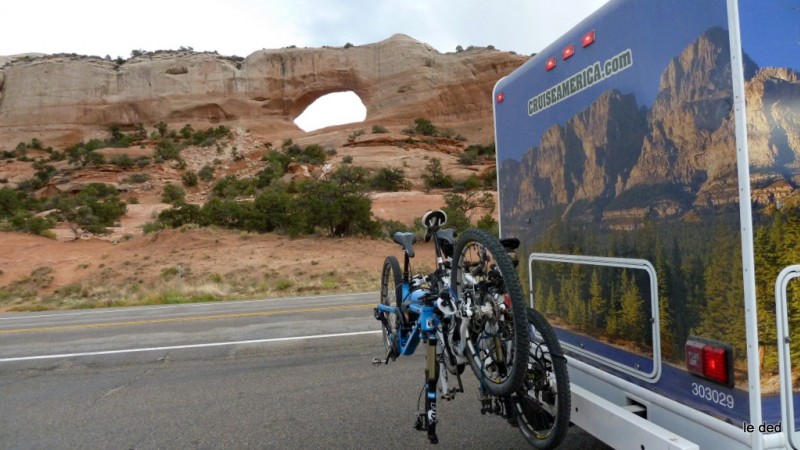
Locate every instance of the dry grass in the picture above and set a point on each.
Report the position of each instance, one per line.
(170, 288)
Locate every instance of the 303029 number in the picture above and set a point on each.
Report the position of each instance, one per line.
(712, 395)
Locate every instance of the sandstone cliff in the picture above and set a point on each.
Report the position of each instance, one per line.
(397, 79)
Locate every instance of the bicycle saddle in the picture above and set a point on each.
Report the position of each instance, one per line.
(509, 243)
(406, 240)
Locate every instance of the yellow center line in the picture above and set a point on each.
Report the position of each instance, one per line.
(186, 319)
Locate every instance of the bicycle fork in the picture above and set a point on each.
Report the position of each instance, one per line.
(427, 420)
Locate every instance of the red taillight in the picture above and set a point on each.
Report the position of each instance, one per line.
(715, 364)
(500, 97)
(588, 39)
(507, 301)
(568, 52)
(551, 64)
(711, 361)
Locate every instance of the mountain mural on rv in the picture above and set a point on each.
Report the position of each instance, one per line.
(659, 182)
(616, 164)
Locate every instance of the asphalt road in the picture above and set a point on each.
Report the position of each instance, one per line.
(280, 373)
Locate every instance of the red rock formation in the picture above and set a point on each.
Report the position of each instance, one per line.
(398, 79)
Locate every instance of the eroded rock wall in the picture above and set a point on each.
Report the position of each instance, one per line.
(397, 79)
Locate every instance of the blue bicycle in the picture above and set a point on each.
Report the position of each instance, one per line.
(470, 310)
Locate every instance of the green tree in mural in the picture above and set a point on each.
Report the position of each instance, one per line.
(597, 304)
(551, 303)
(666, 312)
(631, 317)
(575, 308)
(767, 269)
(722, 318)
(538, 297)
(572, 294)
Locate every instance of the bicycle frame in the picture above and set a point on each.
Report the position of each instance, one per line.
(424, 326)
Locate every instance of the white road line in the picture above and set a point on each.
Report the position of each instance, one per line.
(183, 347)
(180, 305)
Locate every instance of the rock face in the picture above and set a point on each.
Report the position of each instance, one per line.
(581, 160)
(397, 79)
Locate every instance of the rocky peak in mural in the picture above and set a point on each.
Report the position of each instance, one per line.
(773, 97)
(674, 157)
(693, 102)
(581, 160)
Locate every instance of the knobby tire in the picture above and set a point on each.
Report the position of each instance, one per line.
(514, 365)
(542, 403)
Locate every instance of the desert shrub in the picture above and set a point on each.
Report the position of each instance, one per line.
(178, 216)
(460, 207)
(94, 209)
(313, 154)
(434, 176)
(487, 222)
(347, 159)
(137, 178)
(166, 151)
(355, 134)
(189, 179)
(489, 179)
(206, 173)
(390, 227)
(340, 209)
(469, 184)
(477, 154)
(467, 159)
(173, 194)
(389, 179)
(187, 131)
(354, 177)
(274, 210)
(424, 127)
(124, 161)
(26, 222)
(83, 154)
(226, 212)
(379, 129)
(230, 186)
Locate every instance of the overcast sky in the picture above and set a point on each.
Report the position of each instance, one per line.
(240, 27)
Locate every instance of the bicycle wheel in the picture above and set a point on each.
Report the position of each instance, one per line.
(391, 290)
(542, 403)
(485, 281)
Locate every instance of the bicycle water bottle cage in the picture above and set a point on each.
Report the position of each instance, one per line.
(406, 240)
(432, 220)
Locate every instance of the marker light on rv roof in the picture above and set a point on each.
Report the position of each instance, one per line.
(551, 64)
(588, 39)
(500, 97)
(568, 52)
